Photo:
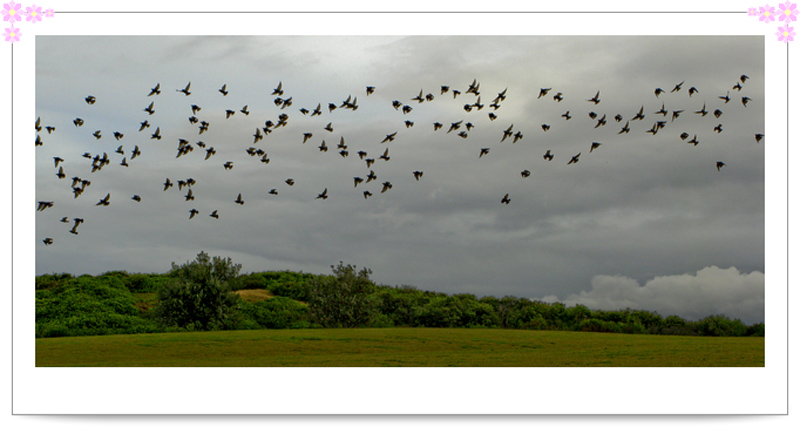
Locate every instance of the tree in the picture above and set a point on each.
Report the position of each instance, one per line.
(198, 297)
(342, 300)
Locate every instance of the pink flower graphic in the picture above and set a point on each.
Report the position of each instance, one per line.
(766, 14)
(12, 34)
(11, 12)
(785, 34)
(49, 13)
(751, 11)
(34, 13)
(788, 11)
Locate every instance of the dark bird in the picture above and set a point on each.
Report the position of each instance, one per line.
(323, 147)
(210, 152)
(78, 122)
(389, 137)
(258, 136)
(367, 194)
(502, 95)
(331, 107)
(185, 90)
(445, 89)
(543, 92)
(592, 114)
(142, 126)
(677, 87)
(618, 117)
(228, 165)
(38, 124)
(239, 199)
(371, 176)
(386, 186)
(290, 182)
(526, 173)
(483, 152)
(675, 114)
(357, 180)
(90, 99)
(743, 78)
(167, 184)
(463, 134)
(223, 90)
(118, 136)
(626, 128)
(718, 128)
(545, 127)
(492, 116)
(195, 109)
(135, 153)
(640, 114)
(245, 111)
(437, 126)
(419, 97)
(369, 162)
(60, 174)
(156, 90)
(508, 133)
(662, 111)
(64, 219)
(344, 153)
(39, 140)
(745, 100)
(702, 111)
(407, 109)
(44, 205)
(505, 199)
(574, 159)
(193, 212)
(362, 154)
(558, 97)
(274, 192)
(105, 200)
(594, 145)
(48, 241)
(150, 109)
(726, 97)
(278, 90)
(229, 113)
(658, 91)
(329, 127)
(119, 150)
(156, 134)
(694, 140)
(417, 175)
(456, 93)
(737, 86)
(323, 195)
(717, 113)
(601, 122)
(50, 129)
(517, 136)
(566, 115)
(409, 124)
(719, 165)
(136, 198)
(759, 137)
(214, 214)
(370, 90)
(548, 156)
(124, 162)
(595, 99)
(188, 196)
(693, 90)
(317, 111)
(341, 144)
(57, 160)
(396, 104)
(684, 135)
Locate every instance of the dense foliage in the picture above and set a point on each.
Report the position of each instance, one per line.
(199, 295)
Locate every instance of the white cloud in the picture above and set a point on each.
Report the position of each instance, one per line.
(712, 290)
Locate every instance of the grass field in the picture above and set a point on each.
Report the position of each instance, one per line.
(398, 347)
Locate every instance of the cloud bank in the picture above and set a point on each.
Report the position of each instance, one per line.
(692, 296)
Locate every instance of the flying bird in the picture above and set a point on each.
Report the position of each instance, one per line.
(677, 87)
(386, 186)
(759, 137)
(658, 91)
(595, 99)
(90, 100)
(417, 175)
(105, 200)
(594, 145)
(214, 214)
(483, 152)
(136, 197)
(548, 156)
(44, 205)
(323, 195)
(223, 90)
(574, 159)
(48, 241)
(239, 199)
(156, 90)
(543, 92)
(150, 109)
(693, 90)
(505, 199)
(526, 173)
(720, 165)
(193, 212)
(185, 90)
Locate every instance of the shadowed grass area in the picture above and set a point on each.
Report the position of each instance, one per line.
(398, 347)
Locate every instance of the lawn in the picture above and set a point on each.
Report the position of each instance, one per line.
(398, 347)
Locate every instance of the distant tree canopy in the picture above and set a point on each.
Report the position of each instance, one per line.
(199, 297)
(342, 300)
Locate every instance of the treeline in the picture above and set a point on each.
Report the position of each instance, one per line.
(199, 295)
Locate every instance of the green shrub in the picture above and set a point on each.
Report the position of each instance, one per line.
(275, 313)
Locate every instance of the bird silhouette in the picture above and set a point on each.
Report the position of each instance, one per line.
(167, 184)
(548, 156)
(694, 140)
(626, 128)
(367, 194)
(44, 205)
(278, 90)
(718, 128)
(385, 155)
(227, 165)
(566, 115)
(239, 199)
(135, 153)
(595, 145)
(759, 137)
(743, 78)
(156, 90)
(290, 182)
(726, 98)
(214, 214)
(717, 113)
(484, 151)
(640, 114)
(389, 137)
(745, 100)
(189, 196)
(720, 165)
(78, 122)
(658, 91)
(677, 87)
(702, 111)
(105, 201)
(185, 90)
(386, 186)
(543, 92)
(136, 197)
(526, 173)
(357, 180)
(193, 212)
(245, 111)
(150, 109)
(505, 199)
(156, 134)
(48, 241)
(323, 195)
(223, 90)
(370, 90)
(595, 99)
(90, 100)
(417, 175)
(675, 114)
(574, 159)
(323, 147)
(693, 90)
(372, 176)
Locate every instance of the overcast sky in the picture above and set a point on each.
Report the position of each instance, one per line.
(643, 221)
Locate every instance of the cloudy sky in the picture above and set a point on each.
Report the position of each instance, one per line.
(643, 221)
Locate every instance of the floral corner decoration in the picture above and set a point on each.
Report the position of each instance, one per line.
(13, 12)
(785, 13)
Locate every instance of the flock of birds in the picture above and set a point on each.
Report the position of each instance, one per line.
(283, 102)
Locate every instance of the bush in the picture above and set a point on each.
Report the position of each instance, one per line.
(276, 313)
(199, 297)
(342, 300)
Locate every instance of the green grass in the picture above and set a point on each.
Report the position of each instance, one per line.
(398, 347)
